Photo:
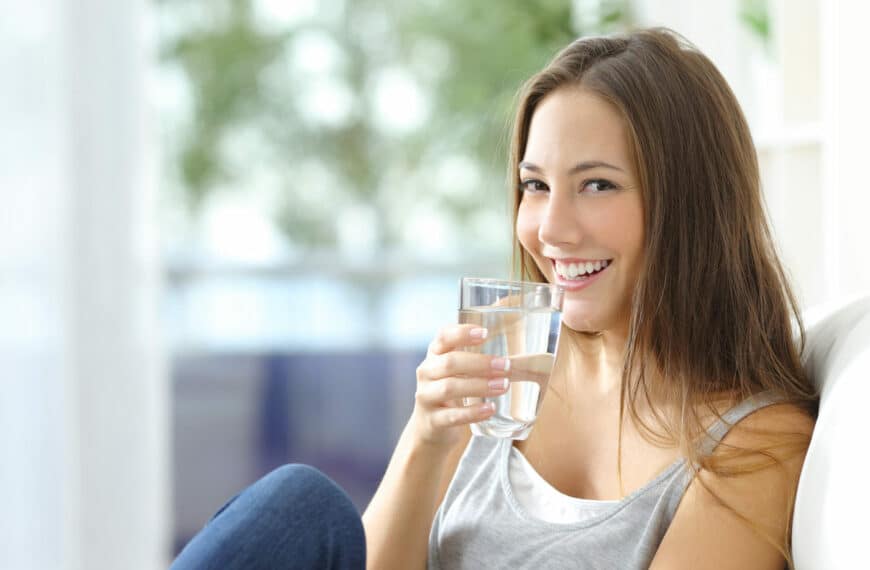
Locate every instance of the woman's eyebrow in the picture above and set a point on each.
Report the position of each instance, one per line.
(579, 167)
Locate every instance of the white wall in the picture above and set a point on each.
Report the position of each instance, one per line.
(845, 180)
(83, 411)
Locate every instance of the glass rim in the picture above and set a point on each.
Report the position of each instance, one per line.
(509, 282)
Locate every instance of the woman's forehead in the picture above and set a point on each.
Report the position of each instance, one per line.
(576, 125)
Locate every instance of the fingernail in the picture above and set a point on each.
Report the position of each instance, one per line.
(487, 407)
(501, 364)
(478, 333)
(499, 384)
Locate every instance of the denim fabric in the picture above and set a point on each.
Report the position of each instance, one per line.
(294, 518)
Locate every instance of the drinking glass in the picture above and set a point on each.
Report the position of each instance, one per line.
(523, 321)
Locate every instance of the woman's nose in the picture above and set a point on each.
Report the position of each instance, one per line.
(559, 223)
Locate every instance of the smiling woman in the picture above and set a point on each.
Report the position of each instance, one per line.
(693, 309)
(678, 415)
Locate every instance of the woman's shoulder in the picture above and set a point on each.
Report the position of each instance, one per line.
(742, 494)
(769, 423)
(763, 429)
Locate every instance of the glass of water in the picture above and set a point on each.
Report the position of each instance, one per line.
(523, 320)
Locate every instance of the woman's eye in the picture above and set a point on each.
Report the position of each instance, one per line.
(598, 185)
(533, 186)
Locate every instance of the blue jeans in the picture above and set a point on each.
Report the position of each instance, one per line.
(293, 518)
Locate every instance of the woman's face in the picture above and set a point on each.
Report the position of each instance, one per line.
(580, 215)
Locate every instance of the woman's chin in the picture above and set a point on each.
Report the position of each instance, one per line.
(595, 324)
(581, 324)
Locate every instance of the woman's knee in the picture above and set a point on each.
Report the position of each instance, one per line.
(294, 476)
(321, 510)
(302, 487)
(294, 517)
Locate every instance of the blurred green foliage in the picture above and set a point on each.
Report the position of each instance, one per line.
(248, 82)
(755, 15)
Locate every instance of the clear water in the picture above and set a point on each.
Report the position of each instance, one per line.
(528, 338)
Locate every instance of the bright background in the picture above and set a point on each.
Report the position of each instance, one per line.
(229, 229)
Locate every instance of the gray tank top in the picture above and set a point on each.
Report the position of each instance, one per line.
(480, 524)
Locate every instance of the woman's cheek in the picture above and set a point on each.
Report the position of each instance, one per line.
(527, 229)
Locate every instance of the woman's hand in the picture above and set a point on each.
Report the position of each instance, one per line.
(448, 375)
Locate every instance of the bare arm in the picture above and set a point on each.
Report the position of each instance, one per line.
(399, 518)
(705, 535)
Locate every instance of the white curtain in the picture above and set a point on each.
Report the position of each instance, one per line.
(84, 400)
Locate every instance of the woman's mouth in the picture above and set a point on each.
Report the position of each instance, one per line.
(579, 270)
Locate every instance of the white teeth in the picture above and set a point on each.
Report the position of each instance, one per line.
(573, 270)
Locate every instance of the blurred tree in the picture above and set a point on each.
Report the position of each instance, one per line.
(367, 104)
(755, 15)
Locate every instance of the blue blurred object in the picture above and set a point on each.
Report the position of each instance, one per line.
(239, 416)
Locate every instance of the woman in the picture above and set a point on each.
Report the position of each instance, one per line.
(679, 414)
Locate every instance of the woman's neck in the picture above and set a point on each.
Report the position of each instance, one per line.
(590, 363)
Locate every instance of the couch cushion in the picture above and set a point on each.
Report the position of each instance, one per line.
(833, 502)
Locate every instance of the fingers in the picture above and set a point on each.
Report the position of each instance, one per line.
(533, 367)
(462, 364)
(451, 374)
(451, 417)
(454, 337)
(448, 391)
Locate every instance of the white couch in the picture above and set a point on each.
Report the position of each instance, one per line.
(831, 527)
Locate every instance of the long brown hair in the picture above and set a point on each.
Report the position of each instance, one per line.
(712, 312)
